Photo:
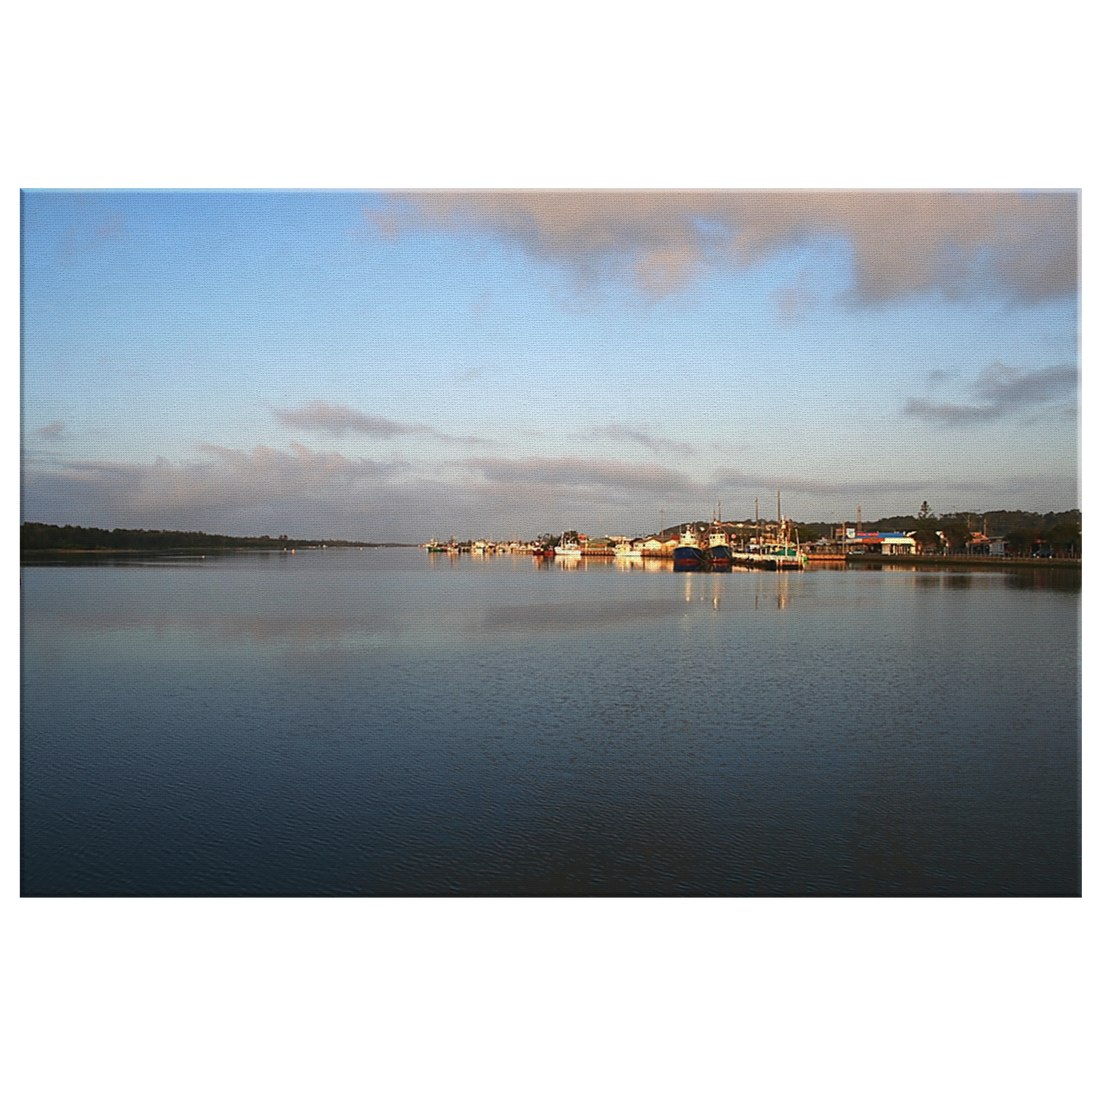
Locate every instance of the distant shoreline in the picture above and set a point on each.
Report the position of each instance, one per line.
(67, 552)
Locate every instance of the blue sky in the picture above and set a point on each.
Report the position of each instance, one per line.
(405, 366)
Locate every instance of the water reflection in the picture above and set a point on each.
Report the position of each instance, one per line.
(1048, 580)
(545, 618)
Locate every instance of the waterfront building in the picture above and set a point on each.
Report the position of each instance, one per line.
(880, 542)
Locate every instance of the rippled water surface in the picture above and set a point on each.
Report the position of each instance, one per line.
(385, 722)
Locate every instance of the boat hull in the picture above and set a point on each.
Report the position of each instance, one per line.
(687, 557)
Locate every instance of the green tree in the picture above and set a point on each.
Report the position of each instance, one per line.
(1064, 538)
(956, 533)
(928, 542)
(1022, 540)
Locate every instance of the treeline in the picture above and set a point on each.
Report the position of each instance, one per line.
(1023, 532)
(47, 536)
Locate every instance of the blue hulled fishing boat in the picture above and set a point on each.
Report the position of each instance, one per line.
(689, 554)
(718, 548)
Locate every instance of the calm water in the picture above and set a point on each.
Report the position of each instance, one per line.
(382, 722)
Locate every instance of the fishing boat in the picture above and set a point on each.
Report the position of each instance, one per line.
(718, 547)
(785, 556)
(689, 554)
(568, 551)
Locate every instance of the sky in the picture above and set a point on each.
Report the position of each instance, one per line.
(403, 366)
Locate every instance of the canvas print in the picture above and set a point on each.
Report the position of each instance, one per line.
(655, 543)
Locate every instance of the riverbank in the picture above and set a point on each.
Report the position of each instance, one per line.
(936, 561)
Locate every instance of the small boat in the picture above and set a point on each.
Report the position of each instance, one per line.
(783, 556)
(568, 550)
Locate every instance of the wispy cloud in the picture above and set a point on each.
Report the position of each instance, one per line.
(644, 437)
(534, 472)
(52, 431)
(315, 493)
(977, 243)
(222, 478)
(725, 478)
(1001, 391)
(340, 420)
(603, 473)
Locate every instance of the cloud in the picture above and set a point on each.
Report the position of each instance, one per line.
(340, 420)
(1009, 389)
(1001, 391)
(223, 485)
(947, 412)
(531, 474)
(52, 431)
(313, 493)
(725, 478)
(623, 433)
(972, 243)
(562, 472)
(867, 486)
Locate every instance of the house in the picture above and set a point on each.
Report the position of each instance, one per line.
(978, 544)
(881, 542)
(658, 547)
